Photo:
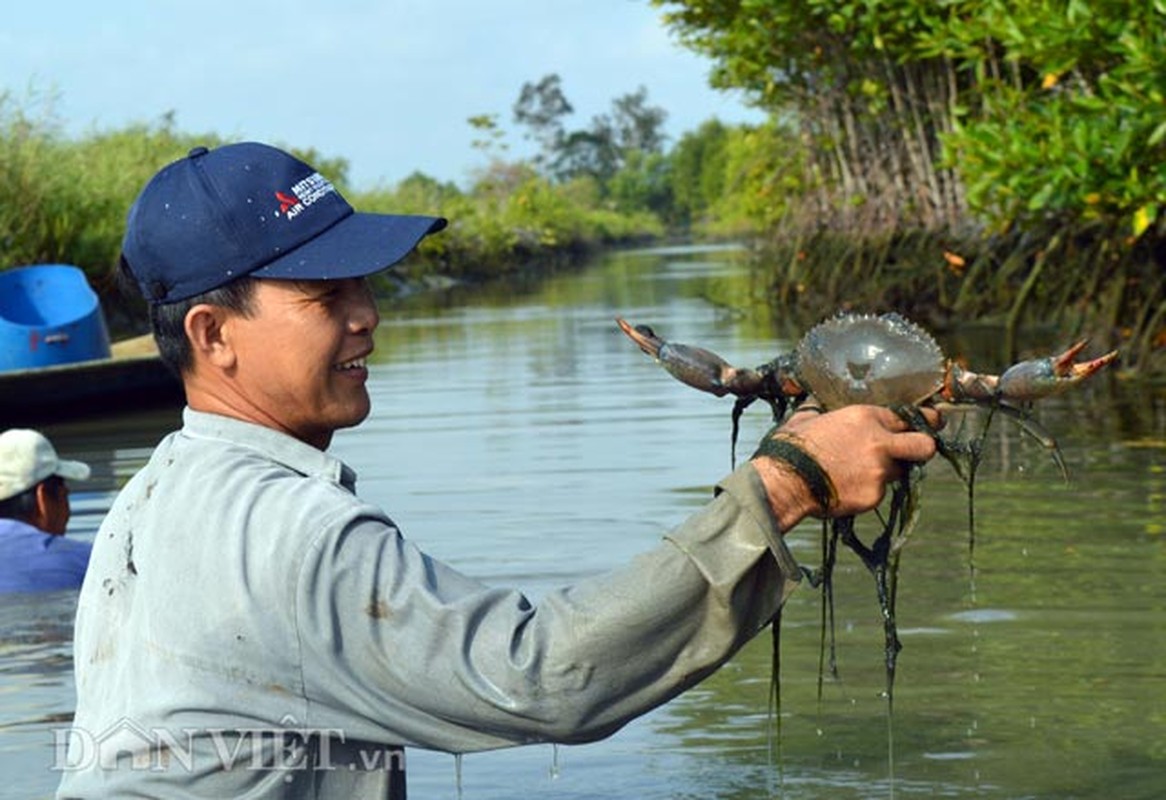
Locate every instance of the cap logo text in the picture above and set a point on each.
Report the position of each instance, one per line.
(303, 194)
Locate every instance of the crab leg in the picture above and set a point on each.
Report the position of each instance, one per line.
(1043, 377)
(1038, 433)
(1025, 381)
(695, 366)
(705, 370)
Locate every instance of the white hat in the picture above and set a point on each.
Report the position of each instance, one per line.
(27, 458)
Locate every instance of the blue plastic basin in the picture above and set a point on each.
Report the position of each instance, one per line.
(49, 315)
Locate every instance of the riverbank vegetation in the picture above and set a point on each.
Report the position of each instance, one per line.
(611, 182)
(962, 160)
(64, 199)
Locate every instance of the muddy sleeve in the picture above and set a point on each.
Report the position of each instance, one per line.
(399, 648)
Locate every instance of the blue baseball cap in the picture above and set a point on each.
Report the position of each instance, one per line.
(252, 209)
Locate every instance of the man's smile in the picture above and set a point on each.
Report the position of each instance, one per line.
(360, 362)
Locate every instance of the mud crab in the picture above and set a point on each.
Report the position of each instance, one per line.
(883, 360)
(865, 358)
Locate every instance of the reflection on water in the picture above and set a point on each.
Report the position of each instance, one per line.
(36, 662)
(521, 437)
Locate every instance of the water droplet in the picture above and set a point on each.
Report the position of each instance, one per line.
(554, 761)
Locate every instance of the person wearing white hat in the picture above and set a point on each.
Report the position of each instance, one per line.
(35, 556)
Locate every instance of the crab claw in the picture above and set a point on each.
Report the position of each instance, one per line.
(1043, 377)
(694, 366)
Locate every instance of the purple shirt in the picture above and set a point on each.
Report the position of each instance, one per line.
(34, 561)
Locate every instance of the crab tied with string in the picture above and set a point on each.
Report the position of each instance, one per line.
(880, 360)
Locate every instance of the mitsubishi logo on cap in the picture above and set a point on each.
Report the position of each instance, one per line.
(285, 202)
(303, 194)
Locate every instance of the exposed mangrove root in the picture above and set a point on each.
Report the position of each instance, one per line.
(1103, 286)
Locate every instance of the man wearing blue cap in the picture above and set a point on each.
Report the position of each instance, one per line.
(250, 627)
(35, 556)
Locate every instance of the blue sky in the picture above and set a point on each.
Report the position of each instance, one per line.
(387, 84)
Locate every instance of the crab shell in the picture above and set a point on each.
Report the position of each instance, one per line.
(863, 358)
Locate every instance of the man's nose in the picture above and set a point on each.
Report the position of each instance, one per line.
(364, 316)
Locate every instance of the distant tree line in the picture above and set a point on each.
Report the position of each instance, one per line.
(615, 180)
(712, 181)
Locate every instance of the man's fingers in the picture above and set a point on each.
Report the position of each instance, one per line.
(897, 423)
(934, 418)
(912, 447)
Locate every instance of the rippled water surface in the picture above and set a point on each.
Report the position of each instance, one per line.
(520, 436)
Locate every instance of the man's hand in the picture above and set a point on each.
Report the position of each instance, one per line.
(858, 448)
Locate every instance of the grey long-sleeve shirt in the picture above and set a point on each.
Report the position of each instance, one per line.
(250, 628)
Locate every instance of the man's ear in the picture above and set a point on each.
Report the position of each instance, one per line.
(46, 511)
(209, 335)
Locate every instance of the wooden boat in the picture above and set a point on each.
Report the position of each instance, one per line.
(56, 361)
(132, 378)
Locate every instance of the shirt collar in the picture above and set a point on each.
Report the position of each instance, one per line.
(279, 447)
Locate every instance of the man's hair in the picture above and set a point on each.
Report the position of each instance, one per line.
(168, 320)
(22, 506)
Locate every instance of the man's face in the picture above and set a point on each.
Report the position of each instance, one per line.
(300, 356)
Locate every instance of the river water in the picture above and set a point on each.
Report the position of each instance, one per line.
(518, 435)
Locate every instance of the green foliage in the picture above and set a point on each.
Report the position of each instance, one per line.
(511, 217)
(64, 200)
(638, 127)
(417, 194)
(730, 181)
(491, 139)
(757, 183)
(1074, 130)
(643, 184)
(917, 121)
(612, 142)
(698, 170)
(1016, 112)
(541, 107)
